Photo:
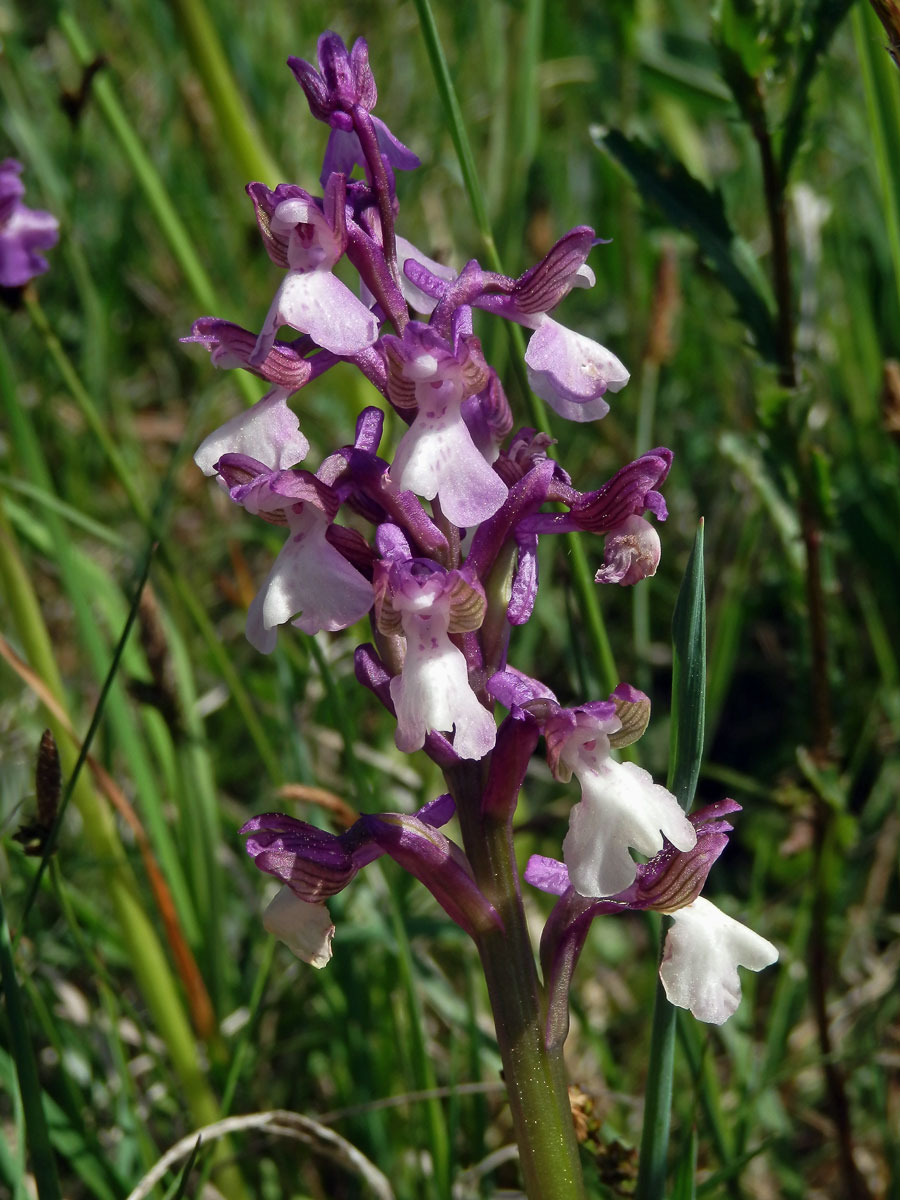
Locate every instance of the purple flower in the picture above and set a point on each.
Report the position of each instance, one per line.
(632, 549)
(432, 692)
(314, 865)
(703, 948)
(436, 456)
(23, 231)
(621, 808)
(311, 584)
(309, 242)
(345, 82)
(343, 96)
(567, 370)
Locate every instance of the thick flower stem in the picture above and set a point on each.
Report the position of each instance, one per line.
(535, 1078)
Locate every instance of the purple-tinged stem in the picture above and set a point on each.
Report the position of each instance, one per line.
(535, 1078)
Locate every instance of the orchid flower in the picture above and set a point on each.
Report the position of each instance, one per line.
(308, 241)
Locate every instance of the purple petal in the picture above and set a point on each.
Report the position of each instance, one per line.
(543, 286)
(23, 231)
(547, 874)
(438, 863)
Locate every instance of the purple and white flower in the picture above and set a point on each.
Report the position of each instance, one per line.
(309, 241)
(437, 457)
(432, 692)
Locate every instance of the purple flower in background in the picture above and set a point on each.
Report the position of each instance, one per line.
(23, 231)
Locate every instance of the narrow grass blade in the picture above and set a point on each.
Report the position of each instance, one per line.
(688, 709)
(154, 189)
(688, 679)
(684, 1185)
(882, 88)
(457, 127)
(43, 1163)
(239, 133)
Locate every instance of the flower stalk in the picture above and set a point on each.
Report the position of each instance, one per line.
(535, 1076)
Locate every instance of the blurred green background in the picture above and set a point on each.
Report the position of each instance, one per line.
(746, 165)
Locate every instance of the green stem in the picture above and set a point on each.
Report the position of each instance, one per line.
(165, 212)
(535, 1078)
(591, 613)
(151, 968)
(239, 132)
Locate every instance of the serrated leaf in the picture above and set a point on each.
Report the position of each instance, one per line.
(699, 211)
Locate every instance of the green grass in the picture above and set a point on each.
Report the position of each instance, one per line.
(145, 1023)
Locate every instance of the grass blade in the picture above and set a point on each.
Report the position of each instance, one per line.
(688, 708)
(43, 1163)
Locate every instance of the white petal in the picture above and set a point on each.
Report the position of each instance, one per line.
(268, 432)
(433, 693)
(621, 807)
(305, 929)
(703, 951)
(311, 578)
(437, 457)
(317, 303)
(572, 372)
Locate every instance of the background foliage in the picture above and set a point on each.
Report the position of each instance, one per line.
(684, 137)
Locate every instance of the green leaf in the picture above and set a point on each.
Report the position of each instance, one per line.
(699, 211)
(823, 22)
(43, 1160)
(688, 678)
(684, 1186)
